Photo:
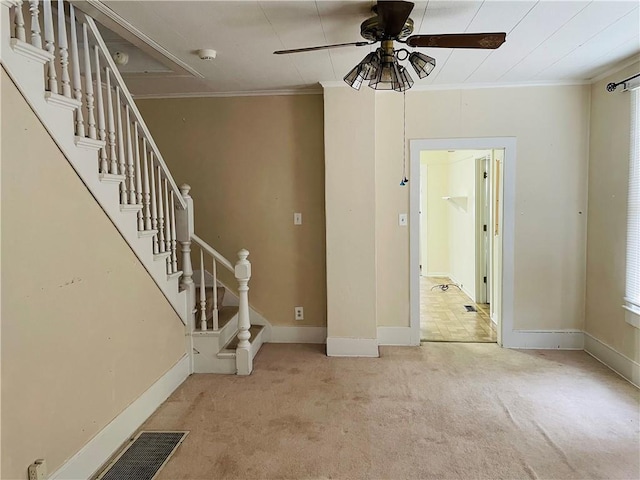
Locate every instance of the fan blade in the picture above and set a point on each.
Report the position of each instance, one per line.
(458, 40)
(393, 15)
(323, 47)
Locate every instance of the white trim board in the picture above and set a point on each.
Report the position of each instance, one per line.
(400, 336)
(619, 363)
(249, 93)
(352, 347)
(471, 86)
(544, 339)
(100, 448)
(298, 334)
(508, 213)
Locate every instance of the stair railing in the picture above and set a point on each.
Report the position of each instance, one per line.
(201, 305)
(81, 75)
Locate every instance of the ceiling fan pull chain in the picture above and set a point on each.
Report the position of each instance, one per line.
(404, 180)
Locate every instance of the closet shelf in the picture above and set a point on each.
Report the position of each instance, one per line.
(459, 202)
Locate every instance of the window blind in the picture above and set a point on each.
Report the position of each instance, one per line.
(632, 293)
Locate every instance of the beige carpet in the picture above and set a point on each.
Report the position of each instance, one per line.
(437, 411)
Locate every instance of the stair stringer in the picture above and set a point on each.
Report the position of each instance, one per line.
(28, 75)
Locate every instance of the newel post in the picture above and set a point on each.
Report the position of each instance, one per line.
(244, 362)
(184, 230)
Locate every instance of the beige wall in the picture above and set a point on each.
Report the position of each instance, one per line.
(462, 219)
(390, 261)
(85, 330)
(551, 127)
(608, 177)
(350, 180)
(252, 162)
(434, 222)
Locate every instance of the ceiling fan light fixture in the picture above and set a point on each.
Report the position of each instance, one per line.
(387, 77)
(355, 77)
(406, 82)
(370, 65)
(422, 64)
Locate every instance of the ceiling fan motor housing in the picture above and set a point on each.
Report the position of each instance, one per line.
(372, 30)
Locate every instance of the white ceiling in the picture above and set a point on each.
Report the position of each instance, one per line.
(547, 41)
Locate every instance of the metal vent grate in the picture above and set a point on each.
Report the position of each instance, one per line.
(144, 457)
(470, 308)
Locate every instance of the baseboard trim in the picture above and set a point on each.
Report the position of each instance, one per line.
(544, 339)
(611, 358)
(100, 448)
(400, 336)
(352, 347)
(298, 334)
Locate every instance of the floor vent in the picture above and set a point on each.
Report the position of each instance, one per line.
(470, 308)
(144, 457)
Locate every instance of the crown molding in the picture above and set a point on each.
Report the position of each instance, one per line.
(472, 86)
(110, 19)
(616, 68)
(253, 93)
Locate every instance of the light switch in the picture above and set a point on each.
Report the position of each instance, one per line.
(402, 220)
(297, 219)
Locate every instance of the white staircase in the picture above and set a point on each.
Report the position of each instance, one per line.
(56, 57)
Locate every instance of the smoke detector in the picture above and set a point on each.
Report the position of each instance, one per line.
(207, 54)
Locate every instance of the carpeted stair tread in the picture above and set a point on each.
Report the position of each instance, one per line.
(225, 315)
(253, 330)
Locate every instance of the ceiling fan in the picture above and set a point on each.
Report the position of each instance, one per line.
(390, 24)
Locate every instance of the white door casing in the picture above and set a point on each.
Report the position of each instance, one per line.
(506, 211)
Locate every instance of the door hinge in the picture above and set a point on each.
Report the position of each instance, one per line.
(484, 279)
(485, 175)
(484, 228)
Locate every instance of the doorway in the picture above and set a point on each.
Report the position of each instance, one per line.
(500, 230)
(456, 189)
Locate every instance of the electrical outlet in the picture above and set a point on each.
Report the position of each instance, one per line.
(297, 219)
(38, 470)
(299, 311)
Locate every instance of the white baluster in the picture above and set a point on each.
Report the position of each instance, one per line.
(146, 194)
(243, 274)
(161, 244)
(174, 254)
(115, 167)
(130, 168)
(167, 226)
(34, 9)
(75, 67)
(167, 223)
(120, 166)
(154, 207)
(113, 156)
(88, 84)
(102, 135)
(215, 295)
(19, 22)
(138, 176)
(203, 295)
(63, 46)
(49, 43)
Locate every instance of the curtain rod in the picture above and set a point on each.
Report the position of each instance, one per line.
(612, 86)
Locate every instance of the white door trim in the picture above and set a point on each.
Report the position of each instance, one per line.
(505, 323)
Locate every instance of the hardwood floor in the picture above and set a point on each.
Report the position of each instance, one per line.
(444, 318)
